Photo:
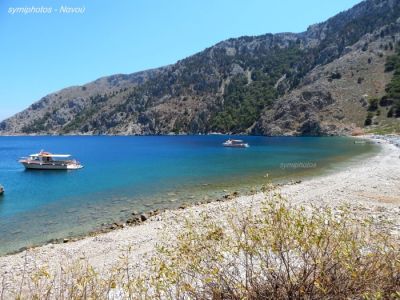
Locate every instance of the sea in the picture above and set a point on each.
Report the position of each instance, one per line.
(123, 174)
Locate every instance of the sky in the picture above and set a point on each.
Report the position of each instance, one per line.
(41, 53)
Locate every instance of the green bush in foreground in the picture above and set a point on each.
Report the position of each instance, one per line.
(283, 253)
(278, 252)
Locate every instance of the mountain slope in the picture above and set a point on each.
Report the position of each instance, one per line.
(315, 82)
(334, 98)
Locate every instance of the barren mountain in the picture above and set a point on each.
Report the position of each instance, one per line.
(330, 79)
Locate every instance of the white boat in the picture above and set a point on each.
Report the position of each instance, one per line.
(48, 161)
(235, 144)
(1, 190)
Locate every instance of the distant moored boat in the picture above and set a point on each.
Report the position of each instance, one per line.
(48, 161)
(235, 144)
(1, 190)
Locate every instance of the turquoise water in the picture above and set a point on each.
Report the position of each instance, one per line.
(123, 174)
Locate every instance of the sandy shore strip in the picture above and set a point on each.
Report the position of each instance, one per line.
(371, 188)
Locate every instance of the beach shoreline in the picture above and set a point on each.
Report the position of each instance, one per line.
(89, 209)
(370, 188)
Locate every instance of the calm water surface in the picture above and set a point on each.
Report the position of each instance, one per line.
(123, 174)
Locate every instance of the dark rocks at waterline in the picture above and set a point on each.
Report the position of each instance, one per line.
(116, 226)
(25, 248)
(136, 218)
(154, 212)
(184, 205)
(230, 196)
(142, 217)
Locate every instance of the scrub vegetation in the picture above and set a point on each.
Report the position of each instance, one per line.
(390, 102)
(277, 251)
(392, 97)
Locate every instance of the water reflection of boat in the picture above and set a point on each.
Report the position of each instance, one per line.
(235, 144)
(48, 161)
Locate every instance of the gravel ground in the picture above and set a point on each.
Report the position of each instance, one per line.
(370, 187)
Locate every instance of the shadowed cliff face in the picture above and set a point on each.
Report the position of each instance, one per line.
(312, 83)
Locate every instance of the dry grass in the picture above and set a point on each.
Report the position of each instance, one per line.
(280, 252)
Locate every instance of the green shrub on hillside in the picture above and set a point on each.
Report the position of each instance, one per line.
(393, 87)
(368, 119)
(243, 103)
(392, 63)
(244, 100)
(391, 101)
(38, 125)
(373, 104)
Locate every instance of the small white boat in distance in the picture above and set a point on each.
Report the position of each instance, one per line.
(48, 161)
(1, 190)
(235, 144)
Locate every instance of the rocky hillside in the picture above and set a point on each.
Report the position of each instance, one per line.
(336, 98)
(322, 81)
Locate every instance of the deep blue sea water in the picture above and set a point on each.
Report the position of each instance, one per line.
(126, 173)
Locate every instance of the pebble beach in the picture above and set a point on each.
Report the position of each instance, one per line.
(370, 188)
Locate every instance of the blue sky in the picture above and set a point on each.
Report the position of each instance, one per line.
(42, 53)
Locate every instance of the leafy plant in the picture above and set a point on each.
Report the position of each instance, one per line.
(281, 253)
(276, 251)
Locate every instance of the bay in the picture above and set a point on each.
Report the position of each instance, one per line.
(126, 173)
